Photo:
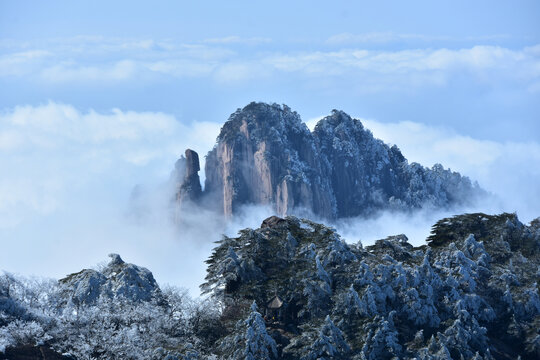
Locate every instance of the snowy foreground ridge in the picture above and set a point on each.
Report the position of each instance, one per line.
(293, 289)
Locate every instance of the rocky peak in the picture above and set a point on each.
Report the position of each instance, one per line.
(116, 279)
(272, 221)
(260, 121)
(265, 155)
(192, 163)
(339, 118)
(186, 179)
(116, 260)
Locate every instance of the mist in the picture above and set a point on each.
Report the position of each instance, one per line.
(79, 185)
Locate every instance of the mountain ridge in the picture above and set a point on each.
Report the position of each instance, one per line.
(266, 155)
(471, 292)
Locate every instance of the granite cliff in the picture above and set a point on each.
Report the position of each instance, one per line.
(266, 155)
(186, 177)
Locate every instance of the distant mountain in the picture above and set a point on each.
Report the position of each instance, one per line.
(266, 155)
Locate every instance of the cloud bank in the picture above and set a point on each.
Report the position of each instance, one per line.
(55, 149)
(111, 60)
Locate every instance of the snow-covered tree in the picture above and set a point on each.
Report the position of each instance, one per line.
(349, 306)
(317, 290)
(258, 344)
(381, 341)
(329, 344)
(249, 340)
(323, 343)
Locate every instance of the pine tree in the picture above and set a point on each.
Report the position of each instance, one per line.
(329, 344)
(349, 309)
(318, 291)
(435, 350)
(364, 276)
(349, 305)
(258, 344)
(381, 341)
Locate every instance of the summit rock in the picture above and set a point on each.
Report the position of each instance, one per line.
(116, 279)
(266, 155)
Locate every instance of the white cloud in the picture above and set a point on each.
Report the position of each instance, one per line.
(58, 123)
(238, 40)
(54, 151)
(120, 70)
(182, 68)
(10, 139)
(93, 59)
(94, 45)
(372, 71)
(22, 63)
(377, 37)
(239, 72)
(386, 37)
(347, 60)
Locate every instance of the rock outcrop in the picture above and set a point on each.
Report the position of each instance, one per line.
(368, 175)
(364, 172)
(266, 155)
(117, 279)
(186, 178)
(33, 352)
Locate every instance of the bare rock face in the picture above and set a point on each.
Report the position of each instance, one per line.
(186, 177)
(266, 155)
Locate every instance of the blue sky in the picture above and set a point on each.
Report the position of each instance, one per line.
(98, 96)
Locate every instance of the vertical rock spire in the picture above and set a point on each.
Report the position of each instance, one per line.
(186, 175)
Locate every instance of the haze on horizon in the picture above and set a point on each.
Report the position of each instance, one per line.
(96, 98)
